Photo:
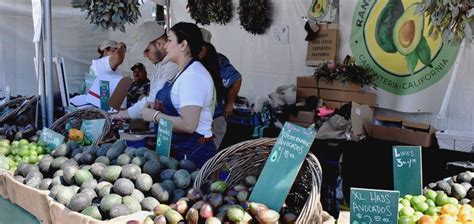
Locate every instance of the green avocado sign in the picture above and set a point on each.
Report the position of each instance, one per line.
(394, 39)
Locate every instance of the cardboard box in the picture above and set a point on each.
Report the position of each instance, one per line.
(306, 92)
(324, 48)
(396, 129)
(306, 82)
(333, 104)
(346, 86)
(345, 96)
(361, 118)
(306, 117)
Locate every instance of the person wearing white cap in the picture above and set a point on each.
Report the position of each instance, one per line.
(111, 55)
(150, 40)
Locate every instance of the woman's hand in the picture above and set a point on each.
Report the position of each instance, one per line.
(147, 114)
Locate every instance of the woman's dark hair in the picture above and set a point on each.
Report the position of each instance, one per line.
(192, 34)
(211, 62)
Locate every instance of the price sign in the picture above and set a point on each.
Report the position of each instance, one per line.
(373, 206)
(104, 95)
(92, 128)
(163, 138)
(407, 170)
(51, 138)
(283, 165)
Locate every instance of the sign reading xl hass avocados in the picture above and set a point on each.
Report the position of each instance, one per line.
(407, 170)
(283, 165)
(371, 206)
(395, 41)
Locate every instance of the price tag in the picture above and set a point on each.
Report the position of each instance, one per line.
(283, 165)
(163, 137)
(407, 170)
(373, 206)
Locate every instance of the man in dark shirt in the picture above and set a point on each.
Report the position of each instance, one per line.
(140, 86)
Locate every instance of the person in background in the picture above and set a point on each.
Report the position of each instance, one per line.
(188, 99)
(150, 41)
(111, 55)
(140, 86)
(232, 80)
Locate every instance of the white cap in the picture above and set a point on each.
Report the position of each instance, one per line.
(108, 43)
(206, 35)
(146, 33)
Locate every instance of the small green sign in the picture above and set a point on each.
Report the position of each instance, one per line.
(407, 170)
(92, 128)
(283, 165)
(51, 138)
(369, 206)
(163, 138)
(104, 95)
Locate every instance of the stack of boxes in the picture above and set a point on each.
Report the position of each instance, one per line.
(334, 95)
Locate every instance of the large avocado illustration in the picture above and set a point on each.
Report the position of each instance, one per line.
(408, 30)
(385, 23)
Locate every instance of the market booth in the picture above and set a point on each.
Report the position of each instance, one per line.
(382, 135)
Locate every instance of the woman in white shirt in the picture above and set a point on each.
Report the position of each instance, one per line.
(188, 100)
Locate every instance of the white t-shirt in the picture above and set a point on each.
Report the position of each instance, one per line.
(101, 68)
(162, 72)
(194, 87)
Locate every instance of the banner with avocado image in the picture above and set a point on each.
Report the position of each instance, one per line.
(412, 66)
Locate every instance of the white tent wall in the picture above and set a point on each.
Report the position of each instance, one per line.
(263, 63)
(74, 39)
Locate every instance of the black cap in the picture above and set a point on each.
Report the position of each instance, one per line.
(138, 65)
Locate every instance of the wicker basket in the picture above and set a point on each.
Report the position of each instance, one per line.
(249, 157)
(19, 106)
(75, 118)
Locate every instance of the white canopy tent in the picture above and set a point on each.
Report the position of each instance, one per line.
(264, 63)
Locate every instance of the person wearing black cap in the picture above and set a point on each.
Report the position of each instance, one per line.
(140, 86)
(188, 99)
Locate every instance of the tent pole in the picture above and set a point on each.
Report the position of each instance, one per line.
(48, 47)
(40, 73)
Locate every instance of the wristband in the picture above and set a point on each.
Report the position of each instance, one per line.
(154, 116)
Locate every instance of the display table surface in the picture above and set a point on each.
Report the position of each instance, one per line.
(11, 213)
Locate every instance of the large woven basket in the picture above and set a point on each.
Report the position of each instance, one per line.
(17, 107)
(75, 119)
(249, 157)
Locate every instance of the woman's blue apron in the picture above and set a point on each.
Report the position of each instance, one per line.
(194, 146)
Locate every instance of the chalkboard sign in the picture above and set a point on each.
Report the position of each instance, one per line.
(104, 95)
(407, 170)
(163, 138)
(92, 128)
(51, 138)
(370, 206)
(283, 165)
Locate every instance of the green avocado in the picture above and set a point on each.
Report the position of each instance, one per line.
(408, 30)
(385, 23)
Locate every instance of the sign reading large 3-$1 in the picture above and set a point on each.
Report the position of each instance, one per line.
(392, 38)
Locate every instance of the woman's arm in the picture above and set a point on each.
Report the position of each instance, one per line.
(186, 123)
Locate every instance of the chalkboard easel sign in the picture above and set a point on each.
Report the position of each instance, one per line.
(407, 170)
(283, 165)
(370, 206)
